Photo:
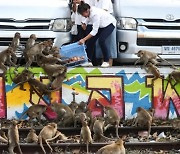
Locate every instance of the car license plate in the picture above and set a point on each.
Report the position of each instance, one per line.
(170, 49)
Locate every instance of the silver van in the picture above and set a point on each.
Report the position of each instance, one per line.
(48, 19)
(147, 25)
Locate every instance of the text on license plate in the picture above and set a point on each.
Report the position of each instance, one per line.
(171, 49)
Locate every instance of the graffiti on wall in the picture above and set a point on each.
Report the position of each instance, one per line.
(124, 89)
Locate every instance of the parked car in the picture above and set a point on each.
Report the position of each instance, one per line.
(147, 25)
(48, 19)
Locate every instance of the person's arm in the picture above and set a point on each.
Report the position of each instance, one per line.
(82, 41)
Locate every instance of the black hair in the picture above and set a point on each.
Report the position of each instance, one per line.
(83, 7)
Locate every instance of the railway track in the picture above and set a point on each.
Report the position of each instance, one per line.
(122, 130)
(34, 148)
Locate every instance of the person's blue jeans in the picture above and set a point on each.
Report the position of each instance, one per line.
(102, 35)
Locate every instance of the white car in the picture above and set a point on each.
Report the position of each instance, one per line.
(152, 25)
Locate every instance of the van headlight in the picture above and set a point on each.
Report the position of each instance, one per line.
(127, 23)
(60, 25)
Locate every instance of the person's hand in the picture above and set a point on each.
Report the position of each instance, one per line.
(83, 25)
(82, 41)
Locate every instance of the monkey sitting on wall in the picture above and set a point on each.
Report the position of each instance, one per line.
(5, 58)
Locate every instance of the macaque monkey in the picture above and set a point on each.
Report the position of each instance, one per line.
(35, 111)
(85, 135)
(154, 70)
(65, 114)
(98, 129)
(13, 137)
(116, 147)
(78, 118)
(48, 43)
(54, 70)
(55, 52)
(82, 107)
(174, 75)
(143, 119)
(147, 56)
(49, 59)
(48, 133)
(31, 137)
(15, 44)
(15, 41)
(5, 58)
(111, 118)
(31, 41)
(20, 77)
(73, 105)
(39, 87)
(33, 51)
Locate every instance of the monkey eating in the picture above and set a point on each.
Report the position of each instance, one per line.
(143, 119)
(116, 147)
(98, 129)
(147, 56)
(13, 137)
(111, 118)
(48, 133)
(31, 137)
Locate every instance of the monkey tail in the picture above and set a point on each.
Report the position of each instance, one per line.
(23, 114)
(106, 138)
(167, 62)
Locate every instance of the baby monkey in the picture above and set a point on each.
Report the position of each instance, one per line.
(31, 137)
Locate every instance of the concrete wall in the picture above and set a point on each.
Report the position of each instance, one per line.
(124, 88)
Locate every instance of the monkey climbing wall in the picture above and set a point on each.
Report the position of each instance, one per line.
(124, 88)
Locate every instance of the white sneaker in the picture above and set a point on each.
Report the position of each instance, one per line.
(87, 64)
(105, 64)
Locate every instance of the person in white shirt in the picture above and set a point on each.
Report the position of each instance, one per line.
(103, 25)
(79, 18)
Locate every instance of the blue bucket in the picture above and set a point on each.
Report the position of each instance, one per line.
(74, 50)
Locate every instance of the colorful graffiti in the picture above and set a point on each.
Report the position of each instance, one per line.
(123, 88)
